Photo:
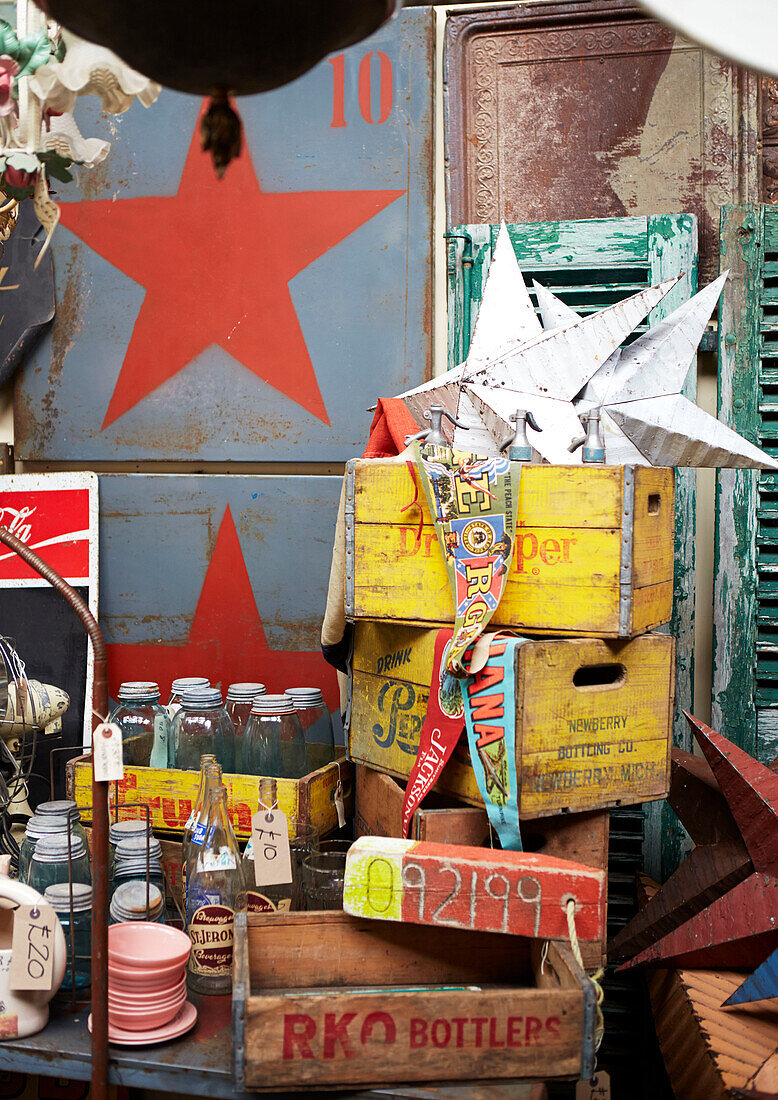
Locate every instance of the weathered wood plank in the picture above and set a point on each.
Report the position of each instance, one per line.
(737, 491)
(695, 798)
(476, 888)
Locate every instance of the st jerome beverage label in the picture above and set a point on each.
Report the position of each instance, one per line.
(212, 932)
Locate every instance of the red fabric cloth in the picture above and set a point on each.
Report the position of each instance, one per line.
(391, 423)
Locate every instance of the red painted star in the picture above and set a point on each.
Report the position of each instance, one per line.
(216, 259)
(226, 641)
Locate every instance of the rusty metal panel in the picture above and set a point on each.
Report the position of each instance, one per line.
(257, 316)
(592, 109)
(218, 576)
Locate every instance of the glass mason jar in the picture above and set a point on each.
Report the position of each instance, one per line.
(57, 809)
(238, 705)
(123, 830)
(132, 902)
(179, 686)
(144, 724)
(215, 889)
(38, 826)
(202, 725)
(285, 896)
(317, 726)
(49, 864)
(79, 946)
(274, 743)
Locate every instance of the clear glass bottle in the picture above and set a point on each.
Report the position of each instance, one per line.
(144, 724)
(79, 946)
(274, 743)
(216, 889)
(283, 897)
(210, 778)
(202, 725)
(49, 864)
(317, 726)
(179, 686)
(240, 698)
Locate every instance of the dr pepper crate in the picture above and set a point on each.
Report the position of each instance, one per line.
(593, 556)
(325, 999)
(593, 717)
(171, 793)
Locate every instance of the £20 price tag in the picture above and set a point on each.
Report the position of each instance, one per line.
(270, 843)
(32, 950)
(107, 752)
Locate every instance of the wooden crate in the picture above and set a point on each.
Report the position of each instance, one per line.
(594, 550)
(171, 793)
(324, 999)
(578, 747)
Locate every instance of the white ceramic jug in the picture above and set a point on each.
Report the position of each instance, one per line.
(23, 1013)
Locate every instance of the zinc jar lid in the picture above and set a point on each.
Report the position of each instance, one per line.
(122, 830)
(273, 704)
(306, 697)
(206, 697)
(53, 848)
(64, 806)
(138, 689)
(183, 683)
(244, 692)
(132, 847)
(58, 897)
(129, 901)
(47, 824)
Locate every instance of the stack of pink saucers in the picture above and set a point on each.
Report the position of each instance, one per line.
(147, 983)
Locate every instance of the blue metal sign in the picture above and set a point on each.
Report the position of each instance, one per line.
(256, 316)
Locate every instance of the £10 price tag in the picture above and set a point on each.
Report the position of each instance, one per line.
(107, 752)
(32, 950)
(270, 843)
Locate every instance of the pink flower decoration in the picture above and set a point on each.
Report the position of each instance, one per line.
(8, 70)
(17, 177)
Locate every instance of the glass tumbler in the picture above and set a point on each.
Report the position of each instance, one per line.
(323, 876)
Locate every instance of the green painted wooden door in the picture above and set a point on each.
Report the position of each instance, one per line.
(745, 614)
(591, 264)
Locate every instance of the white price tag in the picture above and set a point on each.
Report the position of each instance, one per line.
(107, 752)
(597, 1088)
(270, 843)
(32, 950)
(340, 809)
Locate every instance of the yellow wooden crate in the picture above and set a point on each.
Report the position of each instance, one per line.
(593, 717)
(594, 550)
(170, 795)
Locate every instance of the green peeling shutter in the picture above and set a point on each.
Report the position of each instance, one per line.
(745, 614)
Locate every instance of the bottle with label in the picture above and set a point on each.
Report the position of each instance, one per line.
(317, 726)
(210, 777)
(238, 703)
(179, 686)
(274, 743)
(144, 724)
(202, 725)
(216, 889)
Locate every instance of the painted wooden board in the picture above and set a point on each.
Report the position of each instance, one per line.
(762, 985)
(257, 316)
(695, 798)
(170, 795)
(568, 573)
(217, 576)
(56, 515)
(538, 125)
(477, 888)
(597, 744)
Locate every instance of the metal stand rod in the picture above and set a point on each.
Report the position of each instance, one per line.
(99, 819)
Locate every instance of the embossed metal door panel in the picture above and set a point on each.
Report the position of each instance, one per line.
(217, 576)
(592, 109)
(257, 316)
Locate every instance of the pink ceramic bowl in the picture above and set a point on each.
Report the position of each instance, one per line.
(152, 1006)
(136, 1000)
(137, 980)
(145, 1020)
(145, 945)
